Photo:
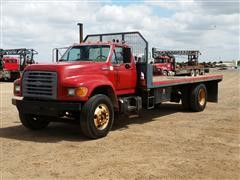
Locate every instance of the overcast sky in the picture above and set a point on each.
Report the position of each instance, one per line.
(209, 26)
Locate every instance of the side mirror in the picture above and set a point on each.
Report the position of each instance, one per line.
(55, 52)
(56, 55)
(126, 55)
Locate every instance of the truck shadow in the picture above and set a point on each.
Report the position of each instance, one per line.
(123, 122)
(68, 132)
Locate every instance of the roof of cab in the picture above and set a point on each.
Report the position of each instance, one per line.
(102, 43)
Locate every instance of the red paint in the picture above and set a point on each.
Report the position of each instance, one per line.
(122, 78)
(11, 64)
(92, 75)
(163, 64)
(188, 79)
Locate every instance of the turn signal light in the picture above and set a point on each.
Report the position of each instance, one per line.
(81, 91)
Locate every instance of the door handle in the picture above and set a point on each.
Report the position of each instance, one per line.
(127, 66)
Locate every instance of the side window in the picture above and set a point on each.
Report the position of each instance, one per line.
(117, 57)
(121, 55)
(114, 60)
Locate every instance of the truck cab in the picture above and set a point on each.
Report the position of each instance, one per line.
(87, 65)
(10, 67)
(111, 62)
(11, 63)
(163, 65)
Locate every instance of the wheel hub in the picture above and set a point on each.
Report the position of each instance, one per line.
(201, 97)
(101, 116)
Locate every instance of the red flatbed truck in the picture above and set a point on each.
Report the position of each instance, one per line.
(98, 78)
(9, 68)
(13, 61)
(165, 63)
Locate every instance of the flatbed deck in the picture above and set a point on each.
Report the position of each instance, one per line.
(166, 81)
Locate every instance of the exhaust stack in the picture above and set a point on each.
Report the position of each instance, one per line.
(80, 32)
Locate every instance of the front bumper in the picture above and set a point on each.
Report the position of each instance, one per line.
(45, 108)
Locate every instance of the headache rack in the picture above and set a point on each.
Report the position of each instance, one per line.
(134, 40)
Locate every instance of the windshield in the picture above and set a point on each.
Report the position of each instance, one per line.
(87, 53)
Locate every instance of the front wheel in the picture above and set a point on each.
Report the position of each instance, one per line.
(97, 117)
(165, 73)
(33, 122)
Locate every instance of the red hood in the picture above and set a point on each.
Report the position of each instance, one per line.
(69, 69)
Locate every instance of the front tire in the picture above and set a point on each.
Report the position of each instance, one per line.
(165, 73)
(97, 117)
(33, 122)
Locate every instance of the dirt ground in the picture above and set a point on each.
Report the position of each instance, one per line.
(163, 143)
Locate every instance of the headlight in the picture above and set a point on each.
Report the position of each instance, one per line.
(80, 91)
(17, 88)
(71, 92)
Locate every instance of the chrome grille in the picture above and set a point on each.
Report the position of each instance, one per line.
(39, 84)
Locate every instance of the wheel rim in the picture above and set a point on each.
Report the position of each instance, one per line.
(101, 116)
(197, 73)
(192, 73)
(201, 97)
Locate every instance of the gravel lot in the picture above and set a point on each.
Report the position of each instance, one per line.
(163, 143)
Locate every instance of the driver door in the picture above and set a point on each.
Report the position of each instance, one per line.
(124, 70)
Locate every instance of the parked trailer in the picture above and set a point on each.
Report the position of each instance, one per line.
(98, 78)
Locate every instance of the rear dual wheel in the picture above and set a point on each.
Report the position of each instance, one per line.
(197, 72)
(192, 73)
(198, 98)
(195, 99)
